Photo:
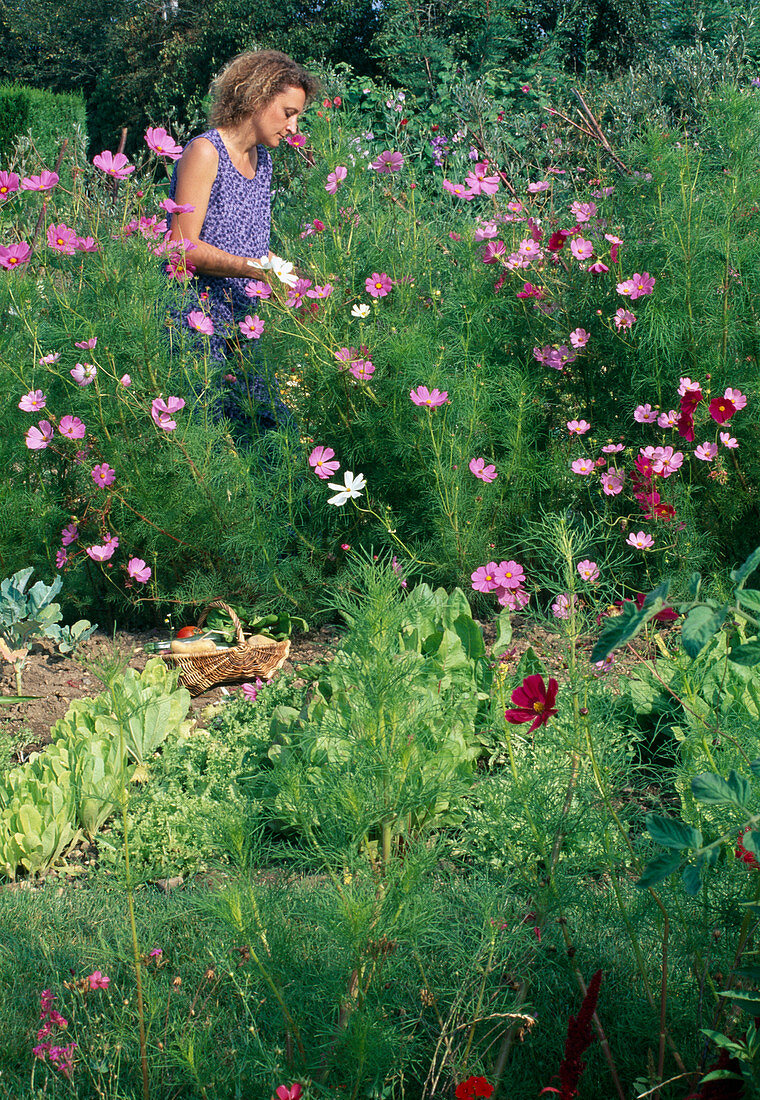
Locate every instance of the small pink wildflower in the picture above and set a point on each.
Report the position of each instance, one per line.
(198, 320)
(432, 398)
(87, 345)
(115, 165)
(493, 251)
(32, 401)
(98, 980)
(163, 412)
(38, 438)
(83, 373)
(14, 255)
(86, 244)
(645, 414)
(138, 570)
(125, 380)
(172, 207)
(293, 1093)
(296, 140)
(640, 540)
(583, 466)
(736, 397)
(69, 534)
(250, 691)
(588, 570)
(103, 475)
(686, 384)
(509, 574)
(161, 143)
(378, 284)
(321, 462)
(61, 557)
(623, 319)
(583, 211)
(484, 578)
(578, 427)
(252, 327)
(258, 289)
(536, 188)
(62, 239)
(103, 552)
(613, 448)
(612, 482)
(335, 179)
(9, 182)
(362, 369)
(706, 452)
(320, 291)
(72, 427)
(46, 181)
(579, 338)
(728, 440)
(581, 249)
(563, 605)
(388, 161)
(482, 471)
(665, 461)
(668, 419)
(479, 182)
(514, 599)
(459, 190)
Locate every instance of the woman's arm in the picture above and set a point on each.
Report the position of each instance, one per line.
(196, 172)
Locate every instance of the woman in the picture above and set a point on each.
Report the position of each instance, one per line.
(225, 176)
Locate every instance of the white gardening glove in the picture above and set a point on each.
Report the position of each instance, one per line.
(283, 269)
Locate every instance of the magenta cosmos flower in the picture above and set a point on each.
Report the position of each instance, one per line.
(583, 211)
(578, 427)
(335, 179)
(9, 182)
(115, 165)
(484, 578)
(138, 570)
(388, 161)
(321, 462)
(479, 182)
(72, 427)
(623, 319)
(588, 570)
(37, 438)
(706, 452)
(612, 482)
(258, 289)
(665, 461)
(645, 414)
(163, 412)
(637, 286)
(161, 143)
(98, 980)
(432, 398)
(14, 255)
(105, 550)
(198, 320)
(252, 327)
(362, 369)
(62, 239)
(460, 190)
(583, 466)
(482, 471)
(581, 249)
(640, 540)
(736, 397)
(534, 702)
(509, 574)
(378, 285)
(721, 409)
(32, 401)
(46, 181)
(69, 534)
(579, 338)
(103, 475)
(87, 345)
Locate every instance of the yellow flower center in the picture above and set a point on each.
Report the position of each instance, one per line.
(538, 706)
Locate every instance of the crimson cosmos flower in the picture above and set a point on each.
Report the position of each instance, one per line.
(473, 1087)
(534, 702)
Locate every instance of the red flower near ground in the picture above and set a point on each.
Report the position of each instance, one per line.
(473, 1087)
(741, 852)
(534, 702)
(667, 615)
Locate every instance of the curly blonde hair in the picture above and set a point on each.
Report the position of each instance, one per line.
(252, 80)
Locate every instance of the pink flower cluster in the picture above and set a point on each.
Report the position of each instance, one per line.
(505, 580)
(61, 1058)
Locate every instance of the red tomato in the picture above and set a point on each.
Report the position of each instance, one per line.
(188, 631)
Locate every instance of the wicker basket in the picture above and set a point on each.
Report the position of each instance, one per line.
(201, 671)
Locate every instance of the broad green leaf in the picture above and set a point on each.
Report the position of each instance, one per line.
(659, 868)
(747, 654)
(695, 583)
(739, 576)
(700, 625)
(503, 634)
(746, 1001)
(622, 628)
(692, 880)
(751, 841)
(749, 598)
(714, 790)
(671, 833)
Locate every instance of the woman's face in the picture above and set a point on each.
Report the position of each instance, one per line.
(279, 117)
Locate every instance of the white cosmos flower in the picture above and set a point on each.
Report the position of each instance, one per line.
(352, 487)
(283, 269)
(361, 309)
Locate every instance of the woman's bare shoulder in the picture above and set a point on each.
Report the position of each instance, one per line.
(200, 152)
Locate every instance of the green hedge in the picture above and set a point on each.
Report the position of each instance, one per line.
(49, 116)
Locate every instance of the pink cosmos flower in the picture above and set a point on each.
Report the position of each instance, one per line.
(378, 285)
(163, 412)
(252, 327)
(645, 414)
(98, 980)
(484, 578)
(321, 462)
(686, 384)
(665, 461)
(638, 285)
(623, 319)
(583, 466)
(83, 373)
(87, 345)
(362, 369)
(579, 338)
(250, 692)
(103, 552)
(510, 574)
(46, 181)
(706, 452)
(492, 251)
(162, 144)
(583, 211)
(588, 570)
(597, 268)
(32, 401)
(69, 534)
(62, 239)
(61, 557)
(612, 482)
(125, 380)
(563, 605)
(482, 471)
(335, 179)
(297, 293)
(486, 231)
(115, 165)
(529, 249)
(86, 244)
(198, 320)
(459, 190)
(728, 440)
(578, 427)
(432, 398)
(320, 291)
(613, 448)
(37, 438)
(296, 140)
(293, 1093)
(346, 355)
(721, 409)
(640, 540)
(8, 184)
(514, 599)
(736, 397)
(479, 182)
(388, 161)
(258, 289)
(581, 249)
(72, 427)
(172, 207)
(138, 570)
(536, 188)
(14, 255)
(668, 419)
(103, 475)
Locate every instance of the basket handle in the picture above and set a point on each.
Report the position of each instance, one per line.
(225, 607)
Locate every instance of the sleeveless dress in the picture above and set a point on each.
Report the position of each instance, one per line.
(238, 220)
